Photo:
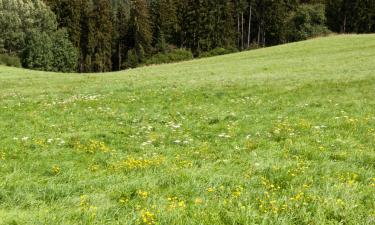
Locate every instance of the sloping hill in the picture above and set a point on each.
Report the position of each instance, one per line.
(282, 135)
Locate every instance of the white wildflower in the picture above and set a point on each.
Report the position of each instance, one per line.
(25, 138)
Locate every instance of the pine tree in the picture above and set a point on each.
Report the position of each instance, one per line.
(97, 35)
(139, 35)
(224, 25)
(121, 29)
(365, 22)
(164, 23)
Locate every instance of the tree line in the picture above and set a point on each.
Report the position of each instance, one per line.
(108, 35)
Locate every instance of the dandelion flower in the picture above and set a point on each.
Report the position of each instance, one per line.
(210, 190)
(198, 201)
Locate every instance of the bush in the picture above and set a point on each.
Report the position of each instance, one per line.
(175, 55)
(37, 54)
(65, 55)
(10, 60)
(308, 21)
(218, 51)
(49, 52)
(132, 59)
(17, 18)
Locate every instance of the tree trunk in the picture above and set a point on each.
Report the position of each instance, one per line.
(241, 30)
(119, 57)
(238, 30)
(259, 27)
(264, 37)
(249, 30)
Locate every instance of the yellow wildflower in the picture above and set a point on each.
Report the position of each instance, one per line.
(209, 190)
(123, 200)
(181, 204)
(238, 191)
(94, 168)
(56, 170)
(340, 202)
(147, 218)
(2, 156)
(142, 194)
(198, 201)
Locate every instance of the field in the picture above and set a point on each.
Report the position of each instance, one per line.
(281, 135)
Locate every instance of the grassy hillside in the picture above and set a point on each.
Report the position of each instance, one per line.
(282, 135)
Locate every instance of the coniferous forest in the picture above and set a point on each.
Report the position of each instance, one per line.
(110, 35)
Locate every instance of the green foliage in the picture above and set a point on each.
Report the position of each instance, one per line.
(175, 55)
(38, 51)
(98, 43)
(139, 35)
(164, 22)
(49, 52)
(18, 17)
(346, 16)
(65, 55)
(29, 27)
(9, 60)
(218, 51)
(132, 59)
(205, 25)
(103, 32)
(308, 21)
(121, 18)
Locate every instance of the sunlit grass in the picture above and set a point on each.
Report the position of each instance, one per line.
(283, 135)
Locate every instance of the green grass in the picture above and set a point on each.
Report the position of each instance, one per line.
(281, 135)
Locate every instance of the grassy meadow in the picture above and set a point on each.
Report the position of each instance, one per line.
(281, 135)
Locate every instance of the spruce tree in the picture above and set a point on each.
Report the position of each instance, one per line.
(139, 35)
(97, 36)
(121, 19)
(164, 23)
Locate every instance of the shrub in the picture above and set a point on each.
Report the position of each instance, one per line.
(49, 52)
(307, 21)
(9, 60)
(65, 55)
(38, 54)
(175, 55)
(132, 59)
(218, 51)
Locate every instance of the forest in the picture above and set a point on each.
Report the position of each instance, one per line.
(103, 35)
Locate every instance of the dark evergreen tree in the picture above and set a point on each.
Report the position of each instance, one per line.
(65, 55)
(116, 34)
(307, 21)
(97, 36)
(339, 14)
(163, 23)
(121, 19)
(139, 34)
(347, 16)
